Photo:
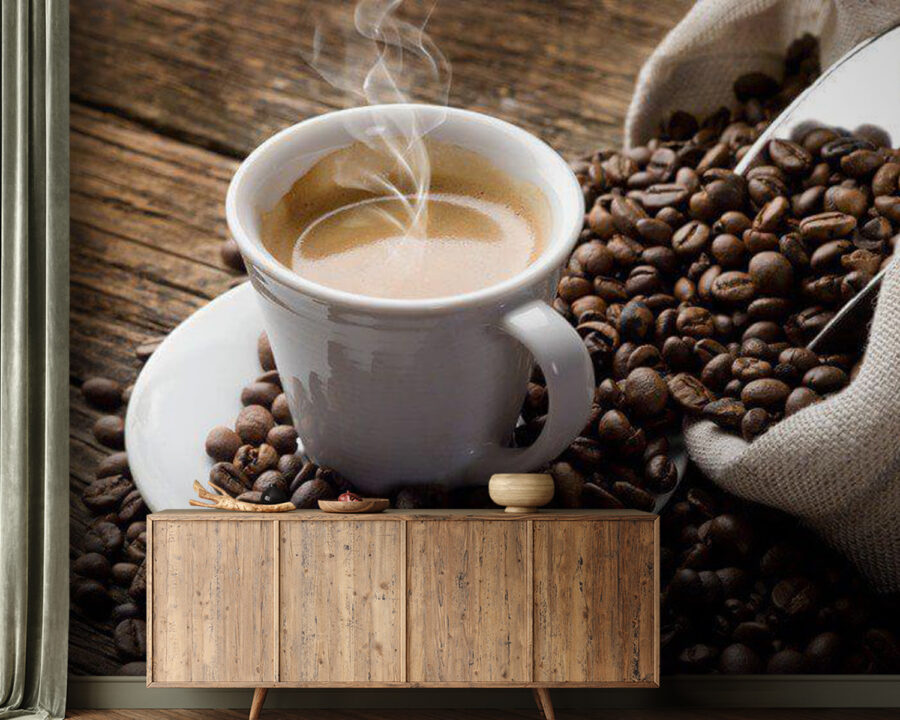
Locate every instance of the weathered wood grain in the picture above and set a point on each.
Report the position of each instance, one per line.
(468, 609)
(221, 76)
(341, 598)
(168, 95)
(213, 602)
(439, 600)
(596, 602)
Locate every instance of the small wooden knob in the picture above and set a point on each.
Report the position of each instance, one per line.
(521, 492)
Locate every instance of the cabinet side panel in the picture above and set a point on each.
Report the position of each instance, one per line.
(212, 602)
(469, 610)
(595, 602)
(341, 614)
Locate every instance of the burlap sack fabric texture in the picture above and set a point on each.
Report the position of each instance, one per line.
(834, 465)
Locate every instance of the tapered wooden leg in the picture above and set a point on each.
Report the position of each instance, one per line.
(259, 697)
(542, 698)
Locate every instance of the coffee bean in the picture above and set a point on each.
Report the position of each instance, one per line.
(696, 322)
(594, 496)
(270, 478)
(800, 398)
(253, 424)
(131, 638)
(102, 393)
(250, 496)
(691, 239)
(138, 587)
(280, 410)
(825, 379)
(123, 573)
(689, 392)
(786, 662)
(132, 507)
(110, 431)
(738, 659)
(826, 226)
(229, 478)
(836, 149)
(104, 494)
(289, 465)
(756, 421)
(594, 258)
(789, 156)
(136, 550)
(717, 372)
(222, 443)
(260, 393)
(231, 256)
(104, 538)
(92, 565)
(725, 412)
(646, 393)
(571, 288)
(889, 207)
(795, 596)
(660, 474)
(861, 163)
(771, 273)
(310, 492)
(253, 461)
(114, 464)
(128, 610)
(273, 495)
(135, 529)
(766, 393)
(887, 179)
(625, 213)
(283, 438)
(636, 323)
(747, 369)
(633, 496)
(734, 287)
(146, 349)
(264, 353)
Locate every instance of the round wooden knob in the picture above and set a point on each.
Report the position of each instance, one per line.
(521, 492)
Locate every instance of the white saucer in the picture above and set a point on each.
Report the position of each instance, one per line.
(191, 383)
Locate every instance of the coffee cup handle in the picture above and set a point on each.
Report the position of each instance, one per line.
(569, 374)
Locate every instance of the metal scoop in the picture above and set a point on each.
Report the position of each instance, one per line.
(861, 89)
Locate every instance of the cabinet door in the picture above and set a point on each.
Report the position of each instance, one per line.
(469, 601)
(212, 606)
(341, 601)
(596, 602)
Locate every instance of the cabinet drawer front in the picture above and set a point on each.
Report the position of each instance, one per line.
(213, 612)
(341, 601)
(595, 602)
(469, 601)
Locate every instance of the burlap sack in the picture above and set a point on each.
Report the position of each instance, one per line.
(834, 465)
(695, 65)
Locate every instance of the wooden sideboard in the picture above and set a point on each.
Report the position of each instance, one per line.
(441, 598)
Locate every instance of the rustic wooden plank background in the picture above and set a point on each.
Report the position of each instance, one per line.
(168, 96)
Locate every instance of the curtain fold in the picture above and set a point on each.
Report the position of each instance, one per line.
(34, 358)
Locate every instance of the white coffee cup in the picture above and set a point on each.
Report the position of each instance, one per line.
(393, 391)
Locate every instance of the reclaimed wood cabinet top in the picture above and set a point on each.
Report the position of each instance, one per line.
(406, 515)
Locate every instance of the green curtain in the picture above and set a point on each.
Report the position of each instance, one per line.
(34, 359)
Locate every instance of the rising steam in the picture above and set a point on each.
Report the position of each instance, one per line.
(385, 59)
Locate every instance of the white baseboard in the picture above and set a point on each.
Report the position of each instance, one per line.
(680, 691)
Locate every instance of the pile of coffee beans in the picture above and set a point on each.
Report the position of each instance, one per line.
(696, 289)
(257, 460)
(746, 591)
(109, 574)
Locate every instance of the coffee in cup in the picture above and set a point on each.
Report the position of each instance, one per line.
(370, 222)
